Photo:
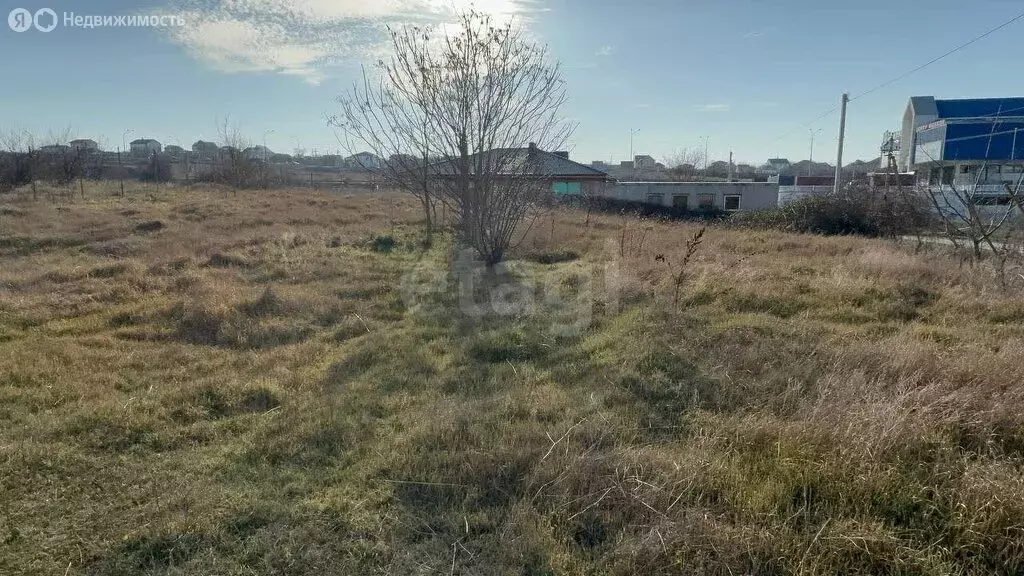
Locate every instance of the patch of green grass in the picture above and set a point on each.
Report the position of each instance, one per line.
(781, 306)
(809, 408)
(552, 257)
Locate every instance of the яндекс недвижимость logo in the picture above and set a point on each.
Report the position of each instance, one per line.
(20, 19)
(45, 20)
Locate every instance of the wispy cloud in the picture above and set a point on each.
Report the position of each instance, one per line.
(642, 105)
(305, 38)
(713, 107)
(607, 50)
(753, 34)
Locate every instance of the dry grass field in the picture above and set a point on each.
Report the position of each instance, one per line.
(201, 382)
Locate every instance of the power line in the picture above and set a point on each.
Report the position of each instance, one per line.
(804, 125)
(934, 60)
(902, 76)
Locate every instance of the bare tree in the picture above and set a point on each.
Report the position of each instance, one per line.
(230, 164)
(969, 212)
(21, 159)
(463, 120)
(682, 164)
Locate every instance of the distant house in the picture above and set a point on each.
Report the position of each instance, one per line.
(564, 177)
(204, 148)
(84, 146)
(776, 165)
(404, 162)
(644, 162)
(174, 150)
(362, 161)
(260, 153)
(144, 147)
(330, 160)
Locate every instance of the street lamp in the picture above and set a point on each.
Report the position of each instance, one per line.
(706, 138)
(632, 158)
(265, 132)
(810, 159)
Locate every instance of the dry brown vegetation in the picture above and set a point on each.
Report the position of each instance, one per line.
(193, 382)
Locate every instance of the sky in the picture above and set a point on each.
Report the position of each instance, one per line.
(745, 76)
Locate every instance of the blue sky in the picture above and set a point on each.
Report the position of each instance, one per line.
(741, 72)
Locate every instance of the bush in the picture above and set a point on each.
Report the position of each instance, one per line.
(15, 169)
(861, 211)
(642, 209)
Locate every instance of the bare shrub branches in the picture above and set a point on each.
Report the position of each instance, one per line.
(459, 120)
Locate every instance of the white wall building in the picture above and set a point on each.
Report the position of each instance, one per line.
(697, 196)
(144, 147)
(84, 146)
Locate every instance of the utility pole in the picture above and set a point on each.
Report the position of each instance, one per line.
(729, 179)
(842, 135)
(120, 171)
(266, 160)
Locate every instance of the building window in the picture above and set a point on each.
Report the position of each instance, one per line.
(655, 198)
(681, 201)
(965, 169)
(947, 174)
(706, 201)
(566, 188)
(732, 202)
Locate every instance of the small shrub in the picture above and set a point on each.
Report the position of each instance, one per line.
(149, 226)
(383, 244)
(108, 271)
(553, 257)
(219, 260)
(268, 304)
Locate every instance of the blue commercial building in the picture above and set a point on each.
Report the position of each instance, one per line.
(961, 142)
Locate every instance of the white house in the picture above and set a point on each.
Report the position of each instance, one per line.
(257, 152)
(644, 163)
(775, 166)
(144, 147)
(362, 161)
(84, 145)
